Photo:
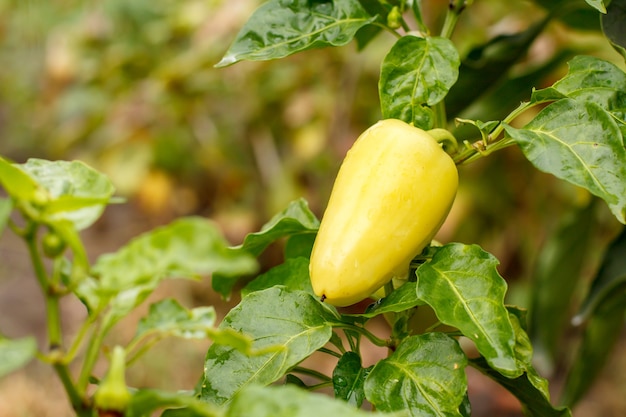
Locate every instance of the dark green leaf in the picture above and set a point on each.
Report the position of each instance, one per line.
(296, 219)
(349, 378)
(581, 143)
(415, 74)
(16, 353)
(487, 64)
(293, 274)
(167, 317)
(534, 402)
(282, 27)
(425, 375)
(611, 278)
(293, 323)
(461, 283)
(78, 193)
(614, 25)
(602, 331)
(402, 298)
(288, 401)
(556, 278)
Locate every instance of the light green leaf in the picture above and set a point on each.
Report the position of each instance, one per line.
(289, 401)
(462, 285)
(168, 317)
(78, 193)
(6, 206)
(415, 74)
(597, 4)
(293, 274)
(17, 183)
(145, 402)
(187, 248)
(292, 322)
(581, 143)
(425, 375)
(282, 27)
(16, 353)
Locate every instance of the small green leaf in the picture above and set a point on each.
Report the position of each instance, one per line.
(6, 206)
(293, 274)
(78, 193)
(300, 245)
(296, 219)
(292, 321)
(425, 375)
(289, 401)
(146, 401)
(280, 28)
(167, 317)
(581, 143)
(597, 4)
(415, 74)
(461, 283)
(402, 298)
(16, 353)
(349, 379)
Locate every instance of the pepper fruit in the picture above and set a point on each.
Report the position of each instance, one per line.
(393, 192)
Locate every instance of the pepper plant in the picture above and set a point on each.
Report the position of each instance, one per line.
(573, 129)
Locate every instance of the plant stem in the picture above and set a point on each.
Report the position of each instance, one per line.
(454, 10)
(330, 352)
(76, 399)
(91, 356)
(369, 335)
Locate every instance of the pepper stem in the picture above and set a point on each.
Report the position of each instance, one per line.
(446, 139)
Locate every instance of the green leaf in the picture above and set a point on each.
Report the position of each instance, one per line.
(556, 278)
(610, 279)
(186, 248)
(6, 206)
(415, 74)
(486, 65)
(349, 379)
(147, 401)
(401, 299)
(78, 193)
(300, 245)
(581, 143)
(296, 219)
(601, 334)
(17, 183)
(614, 27)
(293, 274)
(534, 402)
(597, 4)
(283, 27)
(290, 324)
(288, 401)
(461, 283)
(425, 375)
(16, 353)
(168, 318)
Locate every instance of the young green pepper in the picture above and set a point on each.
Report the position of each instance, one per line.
(392, 194)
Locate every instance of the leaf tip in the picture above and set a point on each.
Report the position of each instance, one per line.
(227, 60)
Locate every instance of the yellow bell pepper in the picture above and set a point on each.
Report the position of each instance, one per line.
(393, 192)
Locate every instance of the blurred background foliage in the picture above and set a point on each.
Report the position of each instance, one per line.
(129, 87)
